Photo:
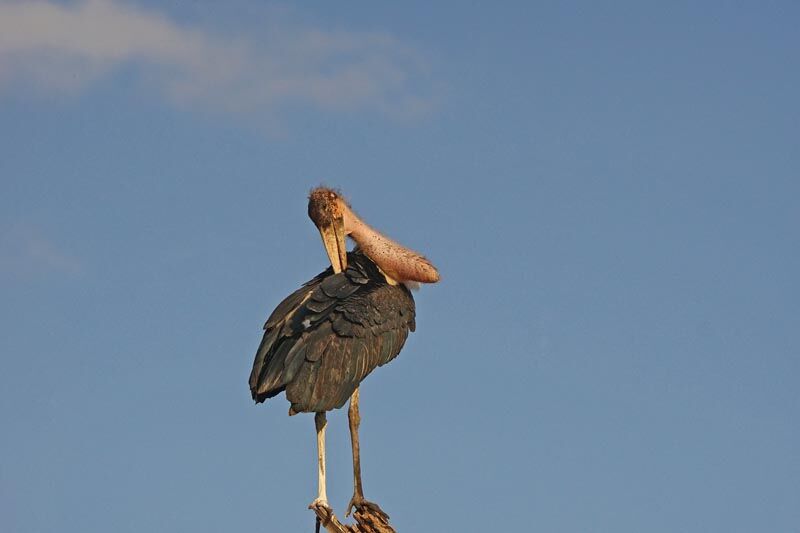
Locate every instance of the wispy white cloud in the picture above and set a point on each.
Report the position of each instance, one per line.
(68, 47)
(25, 251)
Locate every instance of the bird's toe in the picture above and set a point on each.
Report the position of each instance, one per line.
(360, 504)
(320, 503)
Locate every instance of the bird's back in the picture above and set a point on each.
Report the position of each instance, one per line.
(323, 339)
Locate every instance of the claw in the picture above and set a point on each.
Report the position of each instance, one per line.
(358, 503)
(321, 506)
(319, 502)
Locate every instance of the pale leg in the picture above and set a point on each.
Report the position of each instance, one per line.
(320, 421)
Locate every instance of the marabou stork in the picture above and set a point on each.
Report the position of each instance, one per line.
(323, 339)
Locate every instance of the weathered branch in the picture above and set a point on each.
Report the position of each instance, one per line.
(368, 520)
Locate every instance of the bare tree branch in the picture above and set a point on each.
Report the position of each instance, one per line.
(368, 520)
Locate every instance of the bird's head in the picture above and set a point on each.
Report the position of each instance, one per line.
(335, 220)
(327, 210)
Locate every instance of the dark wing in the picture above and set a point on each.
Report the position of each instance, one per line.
(325, 338)
(268, 367)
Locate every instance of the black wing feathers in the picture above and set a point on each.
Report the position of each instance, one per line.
(326, 337)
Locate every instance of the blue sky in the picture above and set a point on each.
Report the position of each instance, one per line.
(610, 193)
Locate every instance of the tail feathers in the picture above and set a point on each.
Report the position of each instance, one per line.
(262, 363)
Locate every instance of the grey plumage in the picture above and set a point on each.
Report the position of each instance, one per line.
(325, 338)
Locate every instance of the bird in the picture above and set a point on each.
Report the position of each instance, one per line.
(322, 340)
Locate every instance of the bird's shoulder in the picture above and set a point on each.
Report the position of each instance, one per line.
(357, 301)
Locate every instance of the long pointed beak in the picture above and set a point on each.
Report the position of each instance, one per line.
(333, 237)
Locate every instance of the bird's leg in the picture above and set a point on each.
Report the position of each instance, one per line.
(358, 501)
(320, 422)
(355, 420)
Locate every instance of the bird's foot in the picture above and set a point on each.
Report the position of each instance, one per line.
(322, 508)
(358, 503)
(319, 503)
(322, 505)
